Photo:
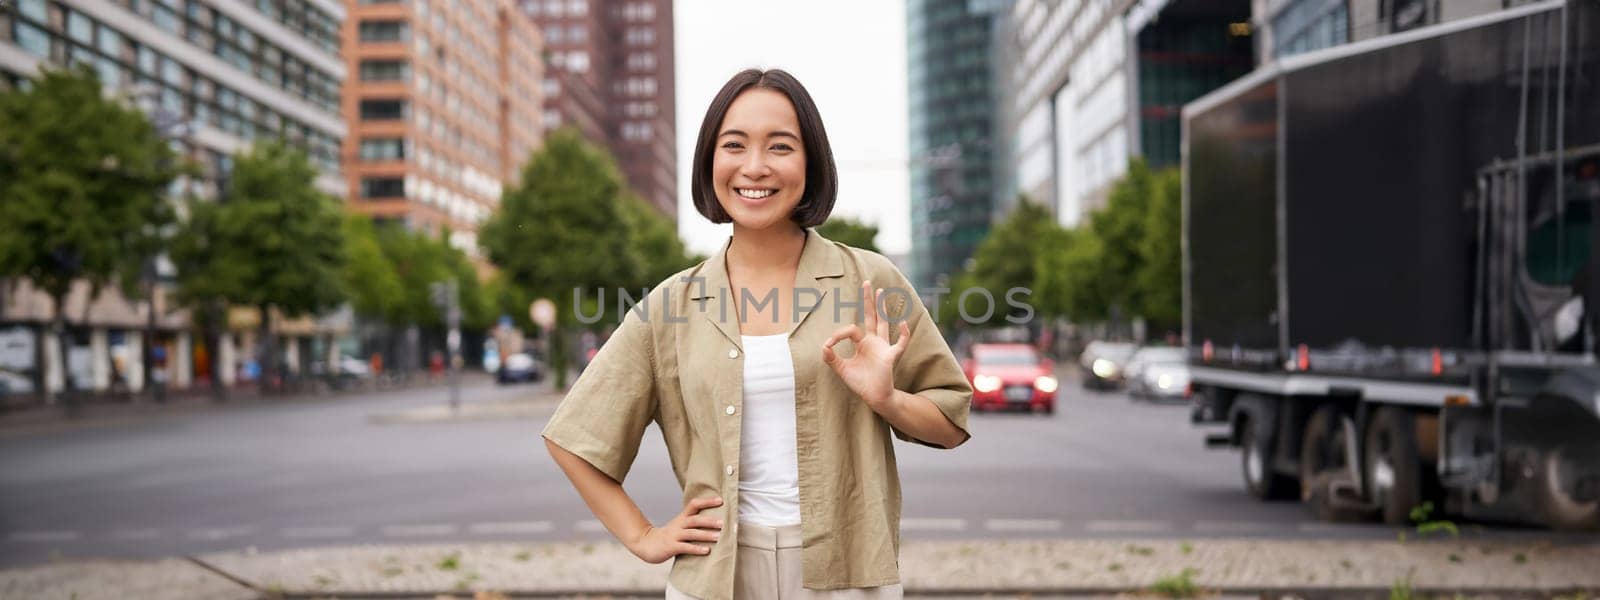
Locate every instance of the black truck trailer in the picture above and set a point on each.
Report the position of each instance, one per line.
(1390, 290)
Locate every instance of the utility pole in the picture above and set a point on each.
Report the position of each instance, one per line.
(446, 295)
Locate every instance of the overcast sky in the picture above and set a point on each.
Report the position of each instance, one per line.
(851, 55)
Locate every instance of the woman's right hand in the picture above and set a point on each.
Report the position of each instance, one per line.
(657, 544)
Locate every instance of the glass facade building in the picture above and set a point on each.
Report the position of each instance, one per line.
(951, 97)
(238, 70)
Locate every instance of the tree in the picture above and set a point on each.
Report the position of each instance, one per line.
(850, 232)
(655, 241)
(1005, 259)
(375, 290)
(273, 242)
(564, 229)
(1161, 278)
(82, 177)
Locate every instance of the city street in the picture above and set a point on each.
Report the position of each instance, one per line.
(322, 473)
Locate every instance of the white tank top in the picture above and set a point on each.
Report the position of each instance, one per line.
(769, 473)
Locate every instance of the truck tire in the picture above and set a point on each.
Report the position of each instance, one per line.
(1323, 464)
(1255, 465)
(1556, 508)
(1391, 467)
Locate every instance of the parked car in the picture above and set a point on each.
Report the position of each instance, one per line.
(351, 371)
(1103, 362)
(1157, 372)
(520, 367)
(1011, 376)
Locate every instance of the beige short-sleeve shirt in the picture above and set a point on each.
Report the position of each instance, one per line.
(676, 360)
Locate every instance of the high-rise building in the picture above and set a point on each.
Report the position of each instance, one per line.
(951, 121)
(444, 106)
(230, 73)
(1070, 125)
(1092, 83)
(611, 76)
(1289, 27)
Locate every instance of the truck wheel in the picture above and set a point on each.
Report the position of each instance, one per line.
(1323, 466)
(1255, 463)
(1556, 506)
(1392, 468)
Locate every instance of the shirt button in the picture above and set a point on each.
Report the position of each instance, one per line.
(730, 470)
(730, 409)
(733, 353)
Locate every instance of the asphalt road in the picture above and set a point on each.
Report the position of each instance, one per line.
(321, 473)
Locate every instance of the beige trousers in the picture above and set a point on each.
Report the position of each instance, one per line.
(768, 568)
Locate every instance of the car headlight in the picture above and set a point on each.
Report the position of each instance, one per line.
(986, 383)
(1045, 383)
(1104, 368)
(1164, 381)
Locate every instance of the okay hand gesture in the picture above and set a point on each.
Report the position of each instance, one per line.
(870, 372)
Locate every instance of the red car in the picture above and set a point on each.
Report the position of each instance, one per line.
(1007, 376)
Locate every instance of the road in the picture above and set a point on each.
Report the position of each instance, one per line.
(321, 472)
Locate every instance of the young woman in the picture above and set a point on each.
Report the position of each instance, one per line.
(776, 371)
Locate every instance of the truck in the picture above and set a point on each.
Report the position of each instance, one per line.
(1390, 297)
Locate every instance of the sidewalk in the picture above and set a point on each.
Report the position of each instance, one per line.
(58, 417)
(1017, 568)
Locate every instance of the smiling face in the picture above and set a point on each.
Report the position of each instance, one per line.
(758, 170)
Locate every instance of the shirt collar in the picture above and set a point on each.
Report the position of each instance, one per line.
(819, 259)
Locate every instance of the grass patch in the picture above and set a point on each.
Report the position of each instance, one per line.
(450, 562)
(1422, 515)
(523, 556)
(1181, 585)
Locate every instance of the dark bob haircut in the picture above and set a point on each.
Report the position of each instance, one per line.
(822, 178)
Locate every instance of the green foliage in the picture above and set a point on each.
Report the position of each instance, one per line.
(1181, 585)
(274, 240)
(1126, 257)
(1422, 515)
(375, 288)
(420, 260)
(564, 226)
(850, 233)
(83, 178)
(572, 226)
(654, 238)
(1160, 250)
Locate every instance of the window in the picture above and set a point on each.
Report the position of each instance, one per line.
(33, 40)
(383, 31)
(578, 62)
(578, 8)
(35, 9)
(554, 34)
(578, 34)
(385, 70)
(383, 109)
(79, 27)
(383, 187)
(165, 18)
(383, 149)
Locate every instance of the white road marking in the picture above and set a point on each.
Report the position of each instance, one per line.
(43, 536)
(933, 524)
(1129, 526)
(418, 530)
(1232, 526)
(511, 528)
(136, 534)
(1022, 525)
(317, 532)
(220, 533)
(589, 526)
